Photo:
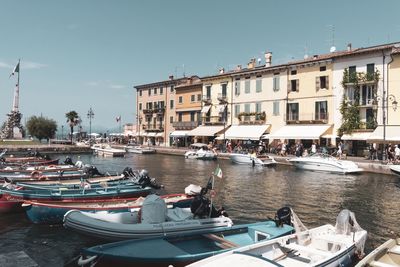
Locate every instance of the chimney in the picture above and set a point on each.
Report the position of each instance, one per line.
(315, 56)
(268, 59)
(238, 67)
(251, 64)
(171, 77)
(221, 70)
(349, 47)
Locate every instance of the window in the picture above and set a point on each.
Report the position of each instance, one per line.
(321, 82)
(321, 108)
(352, 70)
(198, 116)
(223, 89)
(180, 116)
(199, 98)
(208, 91)
(275, 85)
(323, 68)
(171, 104)
(149, 105)
(192, 116)
(155, 91)
(149, 92)
(237, 110)
(258, 84)
(140, 92)
(293, 112)
(161, 90)
(172, 89)
(247, 108)
(293, 72)
(247, 86)
(294, 85)
(140, 106)
(258, 107)
(367, 94)
(275, 111)
(192, 98)
(237, 86)
(171, 119)
(180, 101)
(161, 104)
(370, 68)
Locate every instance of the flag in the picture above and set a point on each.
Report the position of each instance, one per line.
(118, 118)
(218, 172)
(16, 69)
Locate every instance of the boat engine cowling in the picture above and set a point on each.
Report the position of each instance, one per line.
(283, 216)
(145, 180)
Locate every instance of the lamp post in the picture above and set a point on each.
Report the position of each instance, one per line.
(390, 98)
(62, 132)
(90, 116)
(139, 120)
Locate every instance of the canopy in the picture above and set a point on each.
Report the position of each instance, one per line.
(151, 134)
(360, 136)
(245, 132)
(178, 133)
(205, 109)
(307, 132)
(159, 134)
(392, 134)
(205, 130)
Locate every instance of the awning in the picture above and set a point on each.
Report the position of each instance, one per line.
(392, 134)
(307, 132)
(245, 132)
(205, 131)
(205, 109)
(178, 133)
(221, 108)
(151, 135)
(356, 136)
(159, 134)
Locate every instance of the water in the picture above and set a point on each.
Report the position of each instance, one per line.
(248, 195)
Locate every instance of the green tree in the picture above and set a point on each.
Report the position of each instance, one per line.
(73, 120)
(41, 128)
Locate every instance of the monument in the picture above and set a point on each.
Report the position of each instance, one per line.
(12, 127)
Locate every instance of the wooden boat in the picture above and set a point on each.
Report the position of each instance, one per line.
(45, 175)
(183, 249)
(29, 161)
(139, 149)
(326, 245)
(395, 169)
(52, 212)
(386, 255)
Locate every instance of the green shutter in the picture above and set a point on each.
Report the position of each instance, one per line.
(317, 83)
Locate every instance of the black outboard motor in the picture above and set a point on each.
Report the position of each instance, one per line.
(201, 205)
(91, 171)
(283, 216)
(128, 172)
(68, 161)
(145, 180)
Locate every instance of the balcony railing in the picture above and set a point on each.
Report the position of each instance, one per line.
(320, 117)
(147, 111)
(185, 125)
(152, 127)
(212, 120)
(206, 99)
(256, 118)
(222, 98)
(159, 110)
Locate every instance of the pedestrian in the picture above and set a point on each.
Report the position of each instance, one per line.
(283, 149)
(313, 148)
(339, 151)
(397, 152)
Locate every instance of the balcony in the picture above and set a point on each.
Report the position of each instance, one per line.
(185, 125)
(307, 118)
(222, 98)
(252, 118)
(148, 111)
(159, 111)
(153, 127)
(206, 99)
(212, 120)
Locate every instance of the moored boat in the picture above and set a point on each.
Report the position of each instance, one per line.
(137, 149)
(386, 255)
(200, 151)
(106, 150)
(325, 163)
(395, 169)
(252, 160)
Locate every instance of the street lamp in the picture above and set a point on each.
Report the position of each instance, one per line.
(392, 99)
(62, 132)
(139, 119)
(90, 116)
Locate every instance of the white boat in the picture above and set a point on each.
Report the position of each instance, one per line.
(139, 149)
(107, 151)
(200, 151)
(386, 255)
(253, 160)
(326, 163)
(395, 169)
(155, 220)
(326, 245)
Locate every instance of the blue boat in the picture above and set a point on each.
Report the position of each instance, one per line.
(183, 249)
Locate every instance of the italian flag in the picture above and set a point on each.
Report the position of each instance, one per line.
(218, 172)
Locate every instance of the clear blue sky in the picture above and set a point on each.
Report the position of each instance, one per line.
(81, 54)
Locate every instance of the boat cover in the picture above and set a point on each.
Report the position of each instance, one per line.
(154, 209)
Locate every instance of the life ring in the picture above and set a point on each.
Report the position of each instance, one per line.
(42, 178)
(36, 174)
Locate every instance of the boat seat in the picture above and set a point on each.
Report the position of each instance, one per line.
(380, 264)
(395, 250)
(308, 249)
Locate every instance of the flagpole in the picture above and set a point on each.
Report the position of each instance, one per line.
(211, 193)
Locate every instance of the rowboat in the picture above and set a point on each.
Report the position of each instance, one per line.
(183, 249)
(52, 212)
(386, 255)
(326, 245)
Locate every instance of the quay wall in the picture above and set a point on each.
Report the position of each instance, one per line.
(45, 149)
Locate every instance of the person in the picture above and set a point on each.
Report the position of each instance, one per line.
(339, 151)
(397, 152)
(313, 148)
(283, 149)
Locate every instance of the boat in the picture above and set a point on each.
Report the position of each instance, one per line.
(29, 161)
(29, 169)
(137, 149)
(326, 163)
(183, 249)
(154, 219)
(395, 169)
(386, 255)
(252, 160)
(200, 151)
(323, 246)
(52, 212)
(106, 150)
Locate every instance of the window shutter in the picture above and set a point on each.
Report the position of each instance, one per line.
(317, 83)
(289, 86)
(327, 82)
(297, 85)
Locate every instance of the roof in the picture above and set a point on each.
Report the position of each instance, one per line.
(165, 82)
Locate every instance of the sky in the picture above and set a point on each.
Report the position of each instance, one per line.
(79, 54)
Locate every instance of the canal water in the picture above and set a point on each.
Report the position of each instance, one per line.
(248, 194)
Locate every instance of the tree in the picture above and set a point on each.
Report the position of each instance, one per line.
(73, 120)
(41, 128)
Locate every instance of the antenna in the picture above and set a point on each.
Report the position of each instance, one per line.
(333, 48)
(305, 51)
(183, 66)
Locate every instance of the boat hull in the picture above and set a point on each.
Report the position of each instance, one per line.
(395, 169)
(250, 160)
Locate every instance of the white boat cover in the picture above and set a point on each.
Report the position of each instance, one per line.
(192, 189)
(154, 209)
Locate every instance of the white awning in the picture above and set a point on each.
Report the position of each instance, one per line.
(178, 133)
(392, 134)
(360, 136)
(307, 132)
(205, 109)
(205, 131)
(151, 134)
(159, 134)
(245, 132)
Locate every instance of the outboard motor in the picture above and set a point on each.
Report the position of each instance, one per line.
(283, 216)
(68, 161)
(145, 180)
(128, 172)
(91, 171)
(201, 205)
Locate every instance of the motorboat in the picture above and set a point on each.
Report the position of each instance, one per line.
(326, 163)
(395, 169)
(106, 150)
(200, 151)
(386, 255)
(252, 159)
(137, 149)
(326, 245)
